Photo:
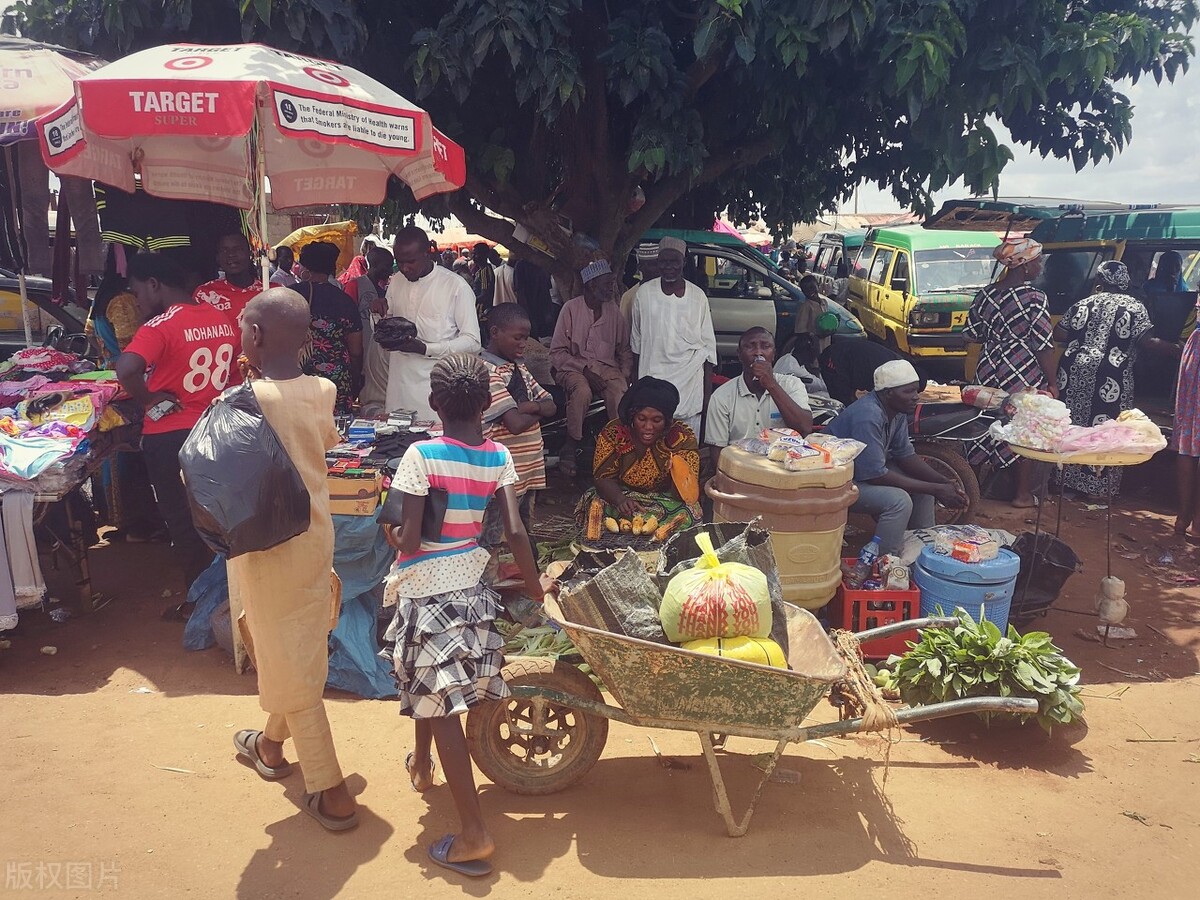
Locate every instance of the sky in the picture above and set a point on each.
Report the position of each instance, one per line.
(1159, 165)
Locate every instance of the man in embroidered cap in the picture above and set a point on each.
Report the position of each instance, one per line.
(590, 354)
(895, 486)
(647, 260)
(672, 334)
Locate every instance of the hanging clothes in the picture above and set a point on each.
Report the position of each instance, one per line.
(28, 585)
(34, 192)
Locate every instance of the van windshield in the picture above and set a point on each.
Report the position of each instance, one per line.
(953, 269)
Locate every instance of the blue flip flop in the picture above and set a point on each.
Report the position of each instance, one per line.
(439, 852)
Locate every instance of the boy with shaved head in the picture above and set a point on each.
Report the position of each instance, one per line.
(285, 590)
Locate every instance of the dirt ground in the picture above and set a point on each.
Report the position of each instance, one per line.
(120, 775)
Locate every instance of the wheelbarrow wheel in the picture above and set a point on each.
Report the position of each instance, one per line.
(531, 745)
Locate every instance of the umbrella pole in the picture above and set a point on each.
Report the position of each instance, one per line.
(261, 165)
(21, 250)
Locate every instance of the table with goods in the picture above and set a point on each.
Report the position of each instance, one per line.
(61, 421)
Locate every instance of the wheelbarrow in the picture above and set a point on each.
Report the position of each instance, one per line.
(552, 730)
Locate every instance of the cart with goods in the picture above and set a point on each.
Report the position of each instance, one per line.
(552, 730)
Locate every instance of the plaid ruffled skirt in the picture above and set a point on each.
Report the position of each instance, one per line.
(446, 652)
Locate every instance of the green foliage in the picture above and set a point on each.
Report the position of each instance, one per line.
(976, 660)
(776, 108)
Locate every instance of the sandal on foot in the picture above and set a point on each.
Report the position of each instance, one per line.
(246, 742)
(408, 768)
(439, 852)
(311, 804)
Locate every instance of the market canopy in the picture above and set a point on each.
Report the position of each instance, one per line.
(37, 78)
(209, 122)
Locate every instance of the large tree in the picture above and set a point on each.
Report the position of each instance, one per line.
(571, 109)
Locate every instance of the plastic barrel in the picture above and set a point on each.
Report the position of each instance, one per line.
(985, 589)
(805, 513)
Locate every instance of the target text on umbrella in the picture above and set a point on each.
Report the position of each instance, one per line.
(377, 128)
(174, 107)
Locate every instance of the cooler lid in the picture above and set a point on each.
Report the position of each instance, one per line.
(992, 571)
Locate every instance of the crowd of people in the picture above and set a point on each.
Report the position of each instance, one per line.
(647, 353)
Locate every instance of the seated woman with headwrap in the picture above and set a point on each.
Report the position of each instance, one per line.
(647, 462)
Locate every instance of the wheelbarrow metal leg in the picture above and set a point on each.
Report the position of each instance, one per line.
(721, 795)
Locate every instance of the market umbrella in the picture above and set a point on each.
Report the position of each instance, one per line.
(215, 123)
(35, 78)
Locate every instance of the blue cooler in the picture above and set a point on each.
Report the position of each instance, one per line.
(949, 583)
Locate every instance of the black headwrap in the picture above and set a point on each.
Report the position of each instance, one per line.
(320, 256)
(649, 392)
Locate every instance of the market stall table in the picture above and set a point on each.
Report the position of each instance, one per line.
(1108, 458)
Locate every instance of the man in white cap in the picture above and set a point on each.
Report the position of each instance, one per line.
(672, 334)
(895, 486)
(590, 354)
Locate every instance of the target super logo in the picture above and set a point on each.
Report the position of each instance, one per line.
(187, 63)
(333, 79)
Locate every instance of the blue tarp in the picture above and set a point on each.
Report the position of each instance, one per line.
(361, 558)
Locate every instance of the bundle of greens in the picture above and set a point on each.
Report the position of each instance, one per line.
(976, 660)
(542, 641)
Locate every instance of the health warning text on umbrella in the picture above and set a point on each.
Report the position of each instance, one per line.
(298, 114)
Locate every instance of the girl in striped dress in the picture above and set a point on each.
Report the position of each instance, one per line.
(447, 654)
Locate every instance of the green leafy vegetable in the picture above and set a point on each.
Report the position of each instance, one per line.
(976, 660)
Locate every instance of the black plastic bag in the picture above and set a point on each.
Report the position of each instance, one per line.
(391, 333)
(245, 492)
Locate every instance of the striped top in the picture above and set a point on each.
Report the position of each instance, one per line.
(469, 476)
(527, 447)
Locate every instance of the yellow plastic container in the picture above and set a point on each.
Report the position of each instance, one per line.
(805, 512)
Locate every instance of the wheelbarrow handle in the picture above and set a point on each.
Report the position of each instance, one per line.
(1024, 706)
(885, 631)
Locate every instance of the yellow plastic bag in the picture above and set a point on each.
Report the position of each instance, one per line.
(763, 651)
(716, 600)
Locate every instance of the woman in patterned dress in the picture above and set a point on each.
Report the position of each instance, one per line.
(1186, 438)
(337, 340)
(634, 453)
(1011, 319)
(1103, 334)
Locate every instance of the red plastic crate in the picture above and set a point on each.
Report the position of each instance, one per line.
(858, 610)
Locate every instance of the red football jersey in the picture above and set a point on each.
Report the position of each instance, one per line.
(228, 298)
(189, 351)
(231, 300)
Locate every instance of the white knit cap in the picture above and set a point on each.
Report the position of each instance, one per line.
(896, 373)
(672, 243)
(647, 251)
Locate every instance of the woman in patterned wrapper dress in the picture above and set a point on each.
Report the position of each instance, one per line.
(633, 465)
(1103, 334)
(1011, 319)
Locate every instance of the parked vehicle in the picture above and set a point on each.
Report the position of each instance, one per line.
(44, 313)
(834, 253)
(1077, 237)
(746, 290)
(911, 287)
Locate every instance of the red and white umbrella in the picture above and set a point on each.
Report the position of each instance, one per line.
(214, 122)
(34, 79)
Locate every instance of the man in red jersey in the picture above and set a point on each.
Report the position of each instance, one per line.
(230, 294)
(176, 364)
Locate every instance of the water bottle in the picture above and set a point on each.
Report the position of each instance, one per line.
(866, 563)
